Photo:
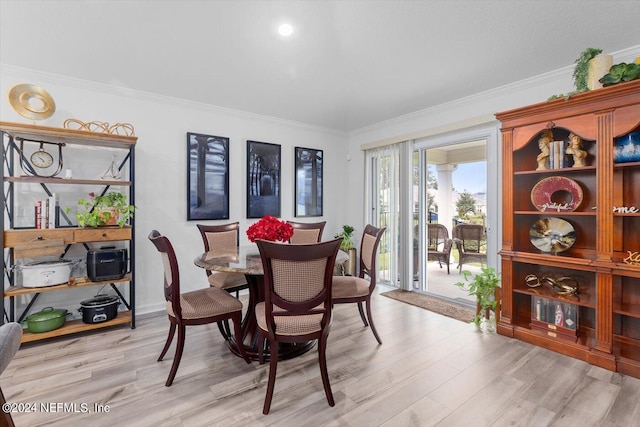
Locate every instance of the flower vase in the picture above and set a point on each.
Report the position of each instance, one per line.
(488, 324)
(598, 67)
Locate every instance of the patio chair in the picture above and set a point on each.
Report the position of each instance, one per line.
(470, 240)
(439, 244)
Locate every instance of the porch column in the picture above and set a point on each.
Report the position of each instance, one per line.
(444, 197)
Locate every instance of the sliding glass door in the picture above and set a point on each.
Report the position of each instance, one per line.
(450, 188)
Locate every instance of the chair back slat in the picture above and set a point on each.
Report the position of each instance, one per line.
(222, 241)
(306, 232)
(297, 279)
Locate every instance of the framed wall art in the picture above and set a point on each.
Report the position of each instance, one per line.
(263, 179)
(308, 182)
(208, 177)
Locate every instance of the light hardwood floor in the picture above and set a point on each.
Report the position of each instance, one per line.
(430, 370)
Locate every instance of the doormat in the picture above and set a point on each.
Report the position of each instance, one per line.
(449, 309)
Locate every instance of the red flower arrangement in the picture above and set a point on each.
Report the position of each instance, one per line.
(270, 228)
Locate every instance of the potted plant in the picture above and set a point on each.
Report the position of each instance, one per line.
(581, 70)
(108, 209)
(483, 286)
(347, 246)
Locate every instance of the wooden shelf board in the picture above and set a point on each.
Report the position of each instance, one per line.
(13, 291)
(626, 165)
(579, 300)
(574, 213)
(551, 260)
(554, 171)
(73, 181)
(67, 136)
(76, 326)
(630, 310)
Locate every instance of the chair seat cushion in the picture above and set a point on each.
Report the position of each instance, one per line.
(224, 280)
(349, 287)
(290, 325)
(206, 303)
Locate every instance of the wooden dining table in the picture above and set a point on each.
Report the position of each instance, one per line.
(246, 259)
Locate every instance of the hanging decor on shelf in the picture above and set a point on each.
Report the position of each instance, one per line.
(40, 163)
(125, 129)
(31, 101)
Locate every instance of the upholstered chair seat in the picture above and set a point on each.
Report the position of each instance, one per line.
(201, 303)
(225, 280)
(350, 286)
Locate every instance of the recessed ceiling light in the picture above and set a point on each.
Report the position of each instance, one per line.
(285, 30)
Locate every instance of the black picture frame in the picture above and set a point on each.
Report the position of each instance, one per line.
(207, 177)
(308, 182)
(263, 179)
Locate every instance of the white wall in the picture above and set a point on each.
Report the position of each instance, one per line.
(161, 125)
(455, 116)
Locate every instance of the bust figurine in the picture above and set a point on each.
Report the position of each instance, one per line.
(543, 143)
(575, 149)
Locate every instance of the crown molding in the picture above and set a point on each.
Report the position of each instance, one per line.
(116, 90)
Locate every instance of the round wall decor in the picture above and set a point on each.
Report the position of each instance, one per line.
(31, 101)
(556, 193)
(552, 235)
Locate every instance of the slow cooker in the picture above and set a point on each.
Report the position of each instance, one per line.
(100, 308)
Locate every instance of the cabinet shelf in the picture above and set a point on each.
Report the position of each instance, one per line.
(561, 171)
(76, 326)
(553, 213)
(80, 282)
(583, 299)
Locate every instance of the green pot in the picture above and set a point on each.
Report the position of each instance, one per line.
(46, 320)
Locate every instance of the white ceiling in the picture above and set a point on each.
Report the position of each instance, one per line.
(348, 64)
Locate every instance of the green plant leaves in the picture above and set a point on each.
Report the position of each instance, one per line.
(622, 72)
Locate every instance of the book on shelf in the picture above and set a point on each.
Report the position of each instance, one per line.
(47, 212)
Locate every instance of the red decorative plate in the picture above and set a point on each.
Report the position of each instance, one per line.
(556, 194)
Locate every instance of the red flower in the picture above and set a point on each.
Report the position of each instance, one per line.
(270, 228)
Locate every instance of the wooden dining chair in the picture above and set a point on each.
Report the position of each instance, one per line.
(218, 239)
(297, 304)
(198, 307)
(352, 289)
(470, 241)
(306, 232)
(439, 244)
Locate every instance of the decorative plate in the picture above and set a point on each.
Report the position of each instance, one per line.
(556, 193)
(31, 101)
(552, 235)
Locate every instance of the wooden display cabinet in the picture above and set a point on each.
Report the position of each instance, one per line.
(606, 226)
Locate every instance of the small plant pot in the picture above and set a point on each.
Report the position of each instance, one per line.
(111, 217)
